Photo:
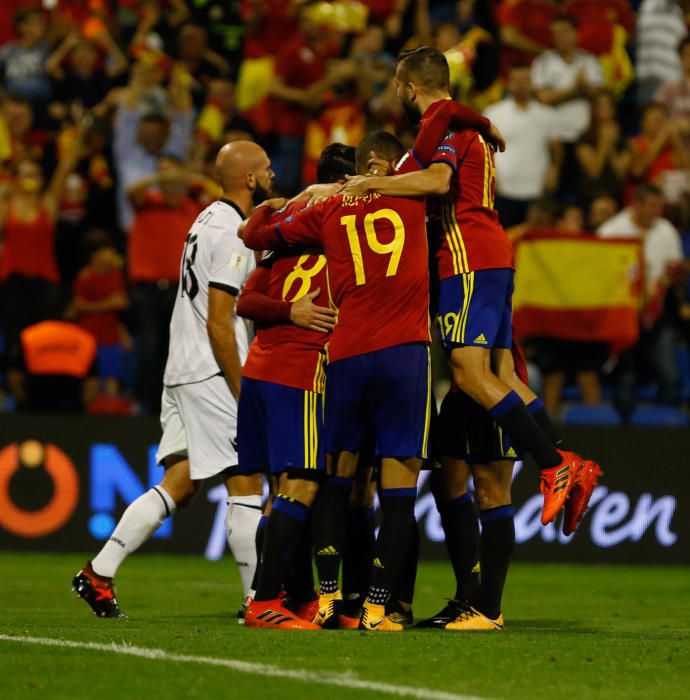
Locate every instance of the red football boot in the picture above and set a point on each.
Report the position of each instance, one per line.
(578, 498)
(272, 614)
(556, 484)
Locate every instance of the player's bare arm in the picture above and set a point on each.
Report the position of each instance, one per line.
(221, 334)
(432, 181)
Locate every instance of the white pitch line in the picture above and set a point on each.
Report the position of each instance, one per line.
(342, 680)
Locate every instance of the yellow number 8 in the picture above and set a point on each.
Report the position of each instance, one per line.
(394, 248)
(304, 275)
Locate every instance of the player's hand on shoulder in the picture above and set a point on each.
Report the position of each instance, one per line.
(356, 185)
(316, 193)
(495, 138)
(275, 203)
(305, 314)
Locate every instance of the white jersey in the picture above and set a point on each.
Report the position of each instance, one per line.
(214, 256)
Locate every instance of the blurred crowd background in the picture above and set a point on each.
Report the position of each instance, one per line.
(112, 111)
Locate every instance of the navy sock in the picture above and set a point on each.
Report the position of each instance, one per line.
(514, 417)
(497, 542)
(283, 532)
(538, 411)
(461, 527)
(300, 582)
(328, 531)
(393, 542)
(358, 551)
(259, 542)
(408, 578)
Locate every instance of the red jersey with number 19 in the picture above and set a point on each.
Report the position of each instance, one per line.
(377, 254)
(470, 236)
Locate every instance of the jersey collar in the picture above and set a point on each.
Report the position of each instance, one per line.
(235, 206)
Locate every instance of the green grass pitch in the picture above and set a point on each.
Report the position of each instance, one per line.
(571, 632)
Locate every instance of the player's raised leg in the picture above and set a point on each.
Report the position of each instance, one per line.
(589, 471)
(475, 309)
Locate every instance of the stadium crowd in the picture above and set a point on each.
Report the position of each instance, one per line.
(112, 113)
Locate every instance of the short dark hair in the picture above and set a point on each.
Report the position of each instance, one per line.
(336, 161)
(154, 118)
(645, 190)
(568, 19)
(425, 66)
(384, 144)
(22, 14)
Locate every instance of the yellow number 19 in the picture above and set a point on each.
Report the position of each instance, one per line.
(394, 248)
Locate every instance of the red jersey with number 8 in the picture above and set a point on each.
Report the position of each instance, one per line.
(284, 353)
(376, 248)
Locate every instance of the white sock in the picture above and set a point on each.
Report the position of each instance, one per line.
(141, 519)
(244, 513)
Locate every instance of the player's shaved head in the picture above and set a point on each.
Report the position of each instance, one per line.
(426, 67)
(244, 167)
(384, 145)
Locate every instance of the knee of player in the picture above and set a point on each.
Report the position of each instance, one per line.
(490, 492)
(183, 493)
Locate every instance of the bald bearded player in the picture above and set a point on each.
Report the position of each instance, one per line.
(201, 385)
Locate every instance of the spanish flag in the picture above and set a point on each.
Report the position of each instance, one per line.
(578, 287)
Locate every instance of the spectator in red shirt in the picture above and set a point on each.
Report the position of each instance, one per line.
(595, 20)
(268, 23)
(99, 299)
(164, 211)
(28, 269)
(658, 150)
(297, 88)
(525, 30)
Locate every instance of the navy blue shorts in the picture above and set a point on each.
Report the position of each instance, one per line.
(279, 429)
(387, 392)
(466, 431)
(476, 308)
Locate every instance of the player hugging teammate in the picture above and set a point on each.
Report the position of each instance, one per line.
(347, 281)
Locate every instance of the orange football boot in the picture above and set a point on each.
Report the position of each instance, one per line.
(556, 484)
(345, 622)
(272, 614)
(578, 498)
(307, 609)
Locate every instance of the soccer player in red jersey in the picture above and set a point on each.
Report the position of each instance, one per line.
(475, 266)
(379, 370)
(280, 408)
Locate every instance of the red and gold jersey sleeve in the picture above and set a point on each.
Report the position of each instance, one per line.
(472, 237)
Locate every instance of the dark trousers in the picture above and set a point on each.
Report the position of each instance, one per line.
(25, 301)
(511, 212)
(152, 305)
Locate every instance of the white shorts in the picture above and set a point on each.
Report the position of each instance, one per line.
(199, 421)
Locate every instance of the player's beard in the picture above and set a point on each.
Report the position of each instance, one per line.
(260, 194)
(414, 116)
